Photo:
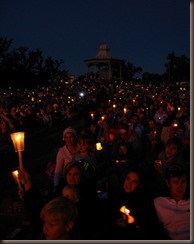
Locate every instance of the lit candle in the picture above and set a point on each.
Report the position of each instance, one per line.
(102, 117)
(98, 146)
(175, 124)
(126, 211)
(92, 115)
(18, 142)
(15, 176)
(114, 105)
(125, 110)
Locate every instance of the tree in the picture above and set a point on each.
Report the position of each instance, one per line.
(177, 68)
(24, 68)
(129, 71)
(152, 77)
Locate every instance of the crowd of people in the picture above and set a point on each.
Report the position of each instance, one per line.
(124, 174)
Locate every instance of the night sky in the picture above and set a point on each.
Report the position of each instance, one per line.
(142, 32)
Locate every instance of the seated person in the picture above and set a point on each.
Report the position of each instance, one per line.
(173, 210)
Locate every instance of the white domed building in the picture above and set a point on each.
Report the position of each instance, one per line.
(107, 66)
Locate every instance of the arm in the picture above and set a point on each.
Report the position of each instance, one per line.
(33, 201)
(58, 169)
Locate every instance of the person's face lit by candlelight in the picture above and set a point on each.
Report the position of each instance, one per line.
(69, 138)
(131, 182)
(73, 176)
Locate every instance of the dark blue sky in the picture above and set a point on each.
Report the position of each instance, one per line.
(142, 32)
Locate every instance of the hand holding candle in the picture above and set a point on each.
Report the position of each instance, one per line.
(15, 175)
(126, 211)
(25, 179)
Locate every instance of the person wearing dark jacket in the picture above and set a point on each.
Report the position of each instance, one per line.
(139, 221)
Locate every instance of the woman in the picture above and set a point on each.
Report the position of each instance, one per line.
(130, 195)
(64, 155)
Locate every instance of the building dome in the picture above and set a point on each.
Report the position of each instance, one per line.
(104, 51)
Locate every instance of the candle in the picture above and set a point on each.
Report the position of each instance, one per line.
(18, 142)
(92, 115)
(124, 110)
(15, 176)
(126, 211)
(175, 123)
(98, 146)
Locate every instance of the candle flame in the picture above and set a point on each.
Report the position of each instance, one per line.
(98, 146)
(124, 210)
(15, 175)
(18, 137)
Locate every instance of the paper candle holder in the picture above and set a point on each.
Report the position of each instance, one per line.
(18, 141)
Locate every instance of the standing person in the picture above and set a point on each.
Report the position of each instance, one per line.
(173, 210)
(65, 153)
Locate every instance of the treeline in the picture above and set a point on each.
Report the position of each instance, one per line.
(22, 67)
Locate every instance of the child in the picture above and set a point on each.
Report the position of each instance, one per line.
(86, 152)
(71, 192)
(59, 217)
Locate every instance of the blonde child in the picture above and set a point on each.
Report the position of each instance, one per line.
(59, 217)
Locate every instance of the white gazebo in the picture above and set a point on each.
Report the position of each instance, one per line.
(105, 63)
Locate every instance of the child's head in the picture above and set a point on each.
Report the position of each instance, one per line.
(172, 147)
(85, 143)
(71, 192)
(177, 181)
(59, 216)
(73, 173)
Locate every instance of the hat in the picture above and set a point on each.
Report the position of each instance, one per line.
(69, 130)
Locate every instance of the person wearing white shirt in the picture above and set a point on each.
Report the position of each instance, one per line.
(173, 211)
